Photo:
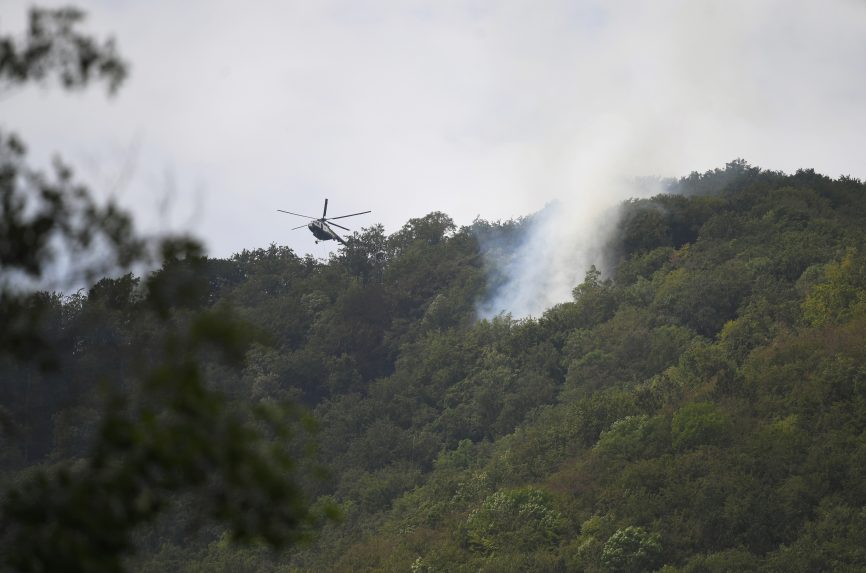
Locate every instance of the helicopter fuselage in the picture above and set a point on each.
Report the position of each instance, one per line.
(323, 232)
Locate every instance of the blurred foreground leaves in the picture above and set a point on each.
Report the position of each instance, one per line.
(166, 433)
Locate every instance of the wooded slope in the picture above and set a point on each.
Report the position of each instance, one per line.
(702, 408)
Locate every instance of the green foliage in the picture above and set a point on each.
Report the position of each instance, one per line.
(594, 300)
(699, 423)
(173, 435)
(44, 216)
(839, 296)
(631, 549)
(833, 541)
(52, 46)
(703, 299)
(633, 438)
(514, 521)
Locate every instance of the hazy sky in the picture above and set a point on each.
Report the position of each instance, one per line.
(236, 109)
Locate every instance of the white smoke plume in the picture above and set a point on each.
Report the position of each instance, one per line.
(663, 89)
(554, 250)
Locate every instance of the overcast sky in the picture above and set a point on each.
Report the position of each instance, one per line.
(236, 109)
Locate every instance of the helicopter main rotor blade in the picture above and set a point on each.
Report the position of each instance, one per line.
(297, 214)
(325, 211)
(352, 215)
(299, 227)
(341, 226)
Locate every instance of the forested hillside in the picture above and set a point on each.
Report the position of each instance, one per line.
(702, 408)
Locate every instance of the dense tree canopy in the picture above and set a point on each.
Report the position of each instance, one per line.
(700, 409)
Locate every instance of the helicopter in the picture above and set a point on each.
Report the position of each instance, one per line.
(321, 227)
